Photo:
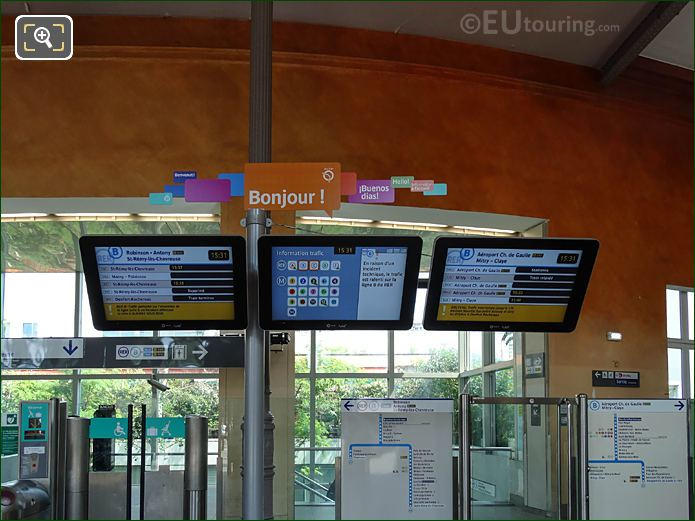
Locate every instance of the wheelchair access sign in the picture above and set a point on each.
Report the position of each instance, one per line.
(117, 428)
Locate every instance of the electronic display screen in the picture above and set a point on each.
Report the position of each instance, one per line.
(508, 284)
(338, 282)
(165, 282)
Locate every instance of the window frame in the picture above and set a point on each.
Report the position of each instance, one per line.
(683, 344)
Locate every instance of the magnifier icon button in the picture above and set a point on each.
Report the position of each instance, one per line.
(43, 35)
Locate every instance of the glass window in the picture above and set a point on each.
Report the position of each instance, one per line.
(426, 388)
(504, 414)
(474, 386)
(351, 351)
(423, 351)
(475, 350)
(691, 317)
(302, 420)
(15, 391)
(118, 392)
(674, 373)
(692, 381)
(39, 304)
(504, 346)
(673, 314)
(329, 392)
(191, 396)
(302, 351)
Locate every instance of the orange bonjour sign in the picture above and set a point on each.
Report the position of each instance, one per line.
(292, 186)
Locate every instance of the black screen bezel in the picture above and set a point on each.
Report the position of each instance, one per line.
(589, 248)
(412, 268)
(89, 243)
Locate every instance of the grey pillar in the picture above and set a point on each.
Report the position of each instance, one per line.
(260, 113)
(195, 473)
(464, 428)
(77, 468)
(583, 457)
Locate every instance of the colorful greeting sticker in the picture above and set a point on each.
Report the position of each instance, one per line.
(236, 183)
(180, 176)
(437, 189)
(421, 186)
(292, 186)
(175, 190)
(161, 198)
(207, 190)
(371, 191)
(402, 181)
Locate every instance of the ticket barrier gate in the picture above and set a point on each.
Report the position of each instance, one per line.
(574, 453)
(55, 481)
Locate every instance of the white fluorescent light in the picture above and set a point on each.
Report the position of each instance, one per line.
(10, 215)
(614, 336)
(335, 219)
(347, 219)
(92, 214)
(478, 229)
(176, 214)
(403, 223)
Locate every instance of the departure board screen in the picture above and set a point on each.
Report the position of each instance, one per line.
(167, 284)
(339, 283)
(501, 283)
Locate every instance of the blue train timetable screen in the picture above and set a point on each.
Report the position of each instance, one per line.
(166, 283)
(337, 282)
(507, 285)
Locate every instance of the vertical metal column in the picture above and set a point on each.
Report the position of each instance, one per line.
(583, 458)
(464, 428)
(195, 474)
(338, 487)
(77, 468)
(260, 94)
(558, 461)
(570, 449)
(129, 467)
(58, 415)
(143, 457)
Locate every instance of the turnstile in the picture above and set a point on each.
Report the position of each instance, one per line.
(55, 480)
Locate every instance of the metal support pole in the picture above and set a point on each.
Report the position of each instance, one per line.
(260, 94)
(58, 484)
(464, 428)
(570, 449)
(583, 458)
(77, 468)
(558, 461)
(338, 487)
(129, 467)
(195, 474)
(143, 457)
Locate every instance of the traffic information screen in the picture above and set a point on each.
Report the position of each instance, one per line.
(170, 285)
(514, 284)
(339, 280)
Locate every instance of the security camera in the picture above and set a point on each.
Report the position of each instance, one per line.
(157, 384)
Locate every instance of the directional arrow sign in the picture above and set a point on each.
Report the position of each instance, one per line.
(70, 349)
(597, 374)
(348, 405)
(679, 405)
(201, 352)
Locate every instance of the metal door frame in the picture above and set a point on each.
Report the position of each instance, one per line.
(576, 439)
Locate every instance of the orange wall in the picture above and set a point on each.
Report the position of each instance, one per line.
(508, 133)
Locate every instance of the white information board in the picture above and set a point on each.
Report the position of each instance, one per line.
(638, 459)
(397, 459)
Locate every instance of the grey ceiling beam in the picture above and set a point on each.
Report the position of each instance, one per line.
(658, 18)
